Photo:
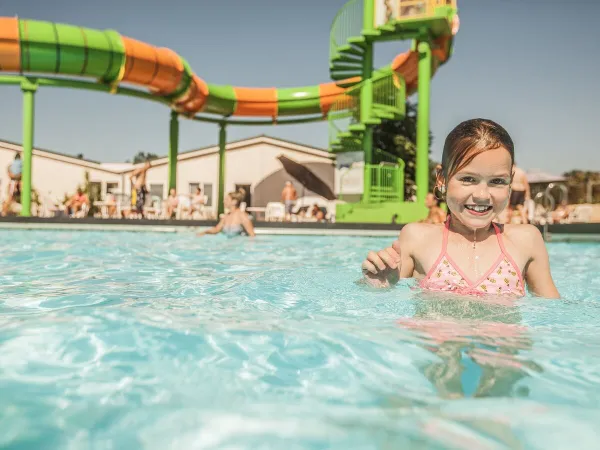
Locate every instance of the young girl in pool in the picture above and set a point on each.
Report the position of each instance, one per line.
(469, 253)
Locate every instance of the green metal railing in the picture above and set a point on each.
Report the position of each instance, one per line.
(347, 23)
(387, 181)
(389, 92)
(344, 113)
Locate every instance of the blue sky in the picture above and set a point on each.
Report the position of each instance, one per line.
(528, 64)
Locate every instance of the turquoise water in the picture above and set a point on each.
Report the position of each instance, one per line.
(168, 341)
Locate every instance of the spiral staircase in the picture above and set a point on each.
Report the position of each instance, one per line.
(376, 95)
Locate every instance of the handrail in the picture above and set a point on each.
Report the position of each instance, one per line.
(386, 89)
(347, 23)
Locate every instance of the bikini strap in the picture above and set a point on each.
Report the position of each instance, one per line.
(445, 235)
(500, 240)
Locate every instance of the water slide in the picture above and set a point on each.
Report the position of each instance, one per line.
(31, 47)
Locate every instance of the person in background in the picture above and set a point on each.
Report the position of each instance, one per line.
(77, 202)
(13, 195)
(236, 222)
(520, 192)
(436, 214)
(138, 198)
(172, 203)
(197, 203)
(288, 198)
(15, 172)
(318, 212)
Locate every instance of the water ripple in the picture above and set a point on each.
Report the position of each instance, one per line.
(141, 340)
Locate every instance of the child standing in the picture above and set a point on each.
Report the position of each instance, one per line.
(469, 253)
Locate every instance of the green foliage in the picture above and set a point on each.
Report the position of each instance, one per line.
(577, 181)
(399, 137)
(143, 157)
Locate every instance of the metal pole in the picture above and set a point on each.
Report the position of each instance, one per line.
(222, 145)
(173, 150)
(422, 162)
(29, 88)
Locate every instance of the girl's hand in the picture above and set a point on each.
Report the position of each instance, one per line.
(382, 268)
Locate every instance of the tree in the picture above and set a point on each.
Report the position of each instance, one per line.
(399, 137)
(143, 157)
(577, 181)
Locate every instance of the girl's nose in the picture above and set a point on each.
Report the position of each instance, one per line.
(482, 192)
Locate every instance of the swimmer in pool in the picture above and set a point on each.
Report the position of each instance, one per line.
(469, 253)
(236, 222)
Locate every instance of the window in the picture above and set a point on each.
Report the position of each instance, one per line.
(110, 187)
(193, 187)
(156, 190)
(95, 190)
(208, 191)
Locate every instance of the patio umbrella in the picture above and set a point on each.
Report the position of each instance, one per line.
(306, 177)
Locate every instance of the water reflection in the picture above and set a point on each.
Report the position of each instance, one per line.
(478, 344)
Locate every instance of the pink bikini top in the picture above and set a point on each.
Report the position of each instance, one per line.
(504, 277)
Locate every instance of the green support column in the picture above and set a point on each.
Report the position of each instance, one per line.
(368, 15)
(366, 106)
(222, 144)
(422, 169)
(173, 149)
(29, 88)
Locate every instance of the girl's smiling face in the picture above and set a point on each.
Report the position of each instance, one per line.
(480, 191)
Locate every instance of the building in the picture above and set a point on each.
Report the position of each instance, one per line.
(249, 163)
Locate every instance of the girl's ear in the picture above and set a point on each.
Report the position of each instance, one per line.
(439, 190)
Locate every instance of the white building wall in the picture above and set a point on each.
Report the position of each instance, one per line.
(244, 164)
(247, 162)
(54, 176)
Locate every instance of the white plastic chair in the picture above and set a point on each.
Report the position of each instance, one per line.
(275, 212)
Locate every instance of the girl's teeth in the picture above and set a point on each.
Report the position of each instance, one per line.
(478, 208)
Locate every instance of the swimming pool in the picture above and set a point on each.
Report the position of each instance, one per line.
(156, 341)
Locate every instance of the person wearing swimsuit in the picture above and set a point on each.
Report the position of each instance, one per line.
(469, 253)
(502, 278)
(236, 222)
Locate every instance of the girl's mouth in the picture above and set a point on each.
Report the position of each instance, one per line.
(478, 210)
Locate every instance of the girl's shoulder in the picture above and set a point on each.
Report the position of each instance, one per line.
(521, 232)
(415, 233)
(522, 238)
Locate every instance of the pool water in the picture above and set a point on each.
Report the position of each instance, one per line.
(168, 341)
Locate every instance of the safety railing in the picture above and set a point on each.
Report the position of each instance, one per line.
(347, 23)
(387, 181)
(344, 112)
(389, 94)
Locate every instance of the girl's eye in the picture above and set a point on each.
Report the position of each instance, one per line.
(500, 181)
(467, 179)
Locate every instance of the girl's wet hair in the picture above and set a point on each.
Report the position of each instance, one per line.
(471, 138)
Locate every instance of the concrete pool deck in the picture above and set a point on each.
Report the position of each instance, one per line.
(576, 232)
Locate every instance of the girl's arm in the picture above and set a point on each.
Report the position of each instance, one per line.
(538, 276)
(387, 266)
